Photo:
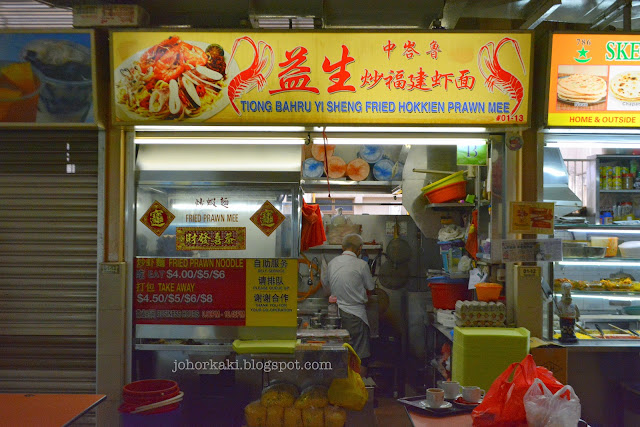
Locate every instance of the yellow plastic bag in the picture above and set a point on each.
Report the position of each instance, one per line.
(349, 392)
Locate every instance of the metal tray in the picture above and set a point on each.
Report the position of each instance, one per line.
(413, 403)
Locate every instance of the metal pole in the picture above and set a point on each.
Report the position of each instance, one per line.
(626, 16)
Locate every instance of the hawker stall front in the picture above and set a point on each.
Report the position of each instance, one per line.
(238, 142)
(592, 153)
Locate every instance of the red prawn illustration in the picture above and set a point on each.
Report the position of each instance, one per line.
(496, 76)
(252, 76)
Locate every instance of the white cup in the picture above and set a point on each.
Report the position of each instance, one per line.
(472, 394)
(451, 389)
(435, 397)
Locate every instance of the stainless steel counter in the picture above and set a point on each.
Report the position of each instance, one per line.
(603, 345)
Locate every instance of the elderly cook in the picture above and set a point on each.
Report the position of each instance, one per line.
(348, 278)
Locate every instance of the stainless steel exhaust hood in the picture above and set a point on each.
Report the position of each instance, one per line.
(556, 183)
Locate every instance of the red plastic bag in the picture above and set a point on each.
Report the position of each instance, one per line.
(503, 405)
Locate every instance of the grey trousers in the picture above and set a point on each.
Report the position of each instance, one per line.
(359, 334)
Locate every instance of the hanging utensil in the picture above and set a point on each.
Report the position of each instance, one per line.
(393, 275)
(383, 296)
(398, 249)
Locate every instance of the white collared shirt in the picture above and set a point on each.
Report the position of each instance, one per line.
(348, 278)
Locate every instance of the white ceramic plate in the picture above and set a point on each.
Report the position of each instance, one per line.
(123, 113)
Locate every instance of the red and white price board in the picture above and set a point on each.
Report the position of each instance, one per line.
(206, 291)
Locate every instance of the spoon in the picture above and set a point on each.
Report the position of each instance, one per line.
(600, 330)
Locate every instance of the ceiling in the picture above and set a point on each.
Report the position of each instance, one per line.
(396, 14)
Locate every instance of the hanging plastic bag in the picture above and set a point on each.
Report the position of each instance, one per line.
(503, 405)
(546, 409)
(349, 392)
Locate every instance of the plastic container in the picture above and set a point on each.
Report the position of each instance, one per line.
(488, 291)
(448, 193)
(630, 249)
(445, 294)
(573, 249)
(482, 354)
(455, 177)
(146, 392)
(611, 243)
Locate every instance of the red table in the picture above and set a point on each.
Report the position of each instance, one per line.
(45, 410)
(421, 420)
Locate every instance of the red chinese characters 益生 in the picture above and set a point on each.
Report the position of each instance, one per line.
(410, 49)
(435, 48)
(389, 47)
(340, 77)
(295, 77)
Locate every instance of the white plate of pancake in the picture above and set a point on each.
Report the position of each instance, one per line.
(582, 88)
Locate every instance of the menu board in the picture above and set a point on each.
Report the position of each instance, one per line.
(216, 291)
(46, 77)
(321, 77)
(594, 80)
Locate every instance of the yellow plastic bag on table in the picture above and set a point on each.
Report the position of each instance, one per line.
(349, 392)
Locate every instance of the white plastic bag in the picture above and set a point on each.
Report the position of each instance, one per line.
(545, 409)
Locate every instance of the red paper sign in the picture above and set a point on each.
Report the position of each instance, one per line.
(267, 218)
(157, 218)
(190, 291)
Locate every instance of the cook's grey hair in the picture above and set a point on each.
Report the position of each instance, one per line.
(351, 242)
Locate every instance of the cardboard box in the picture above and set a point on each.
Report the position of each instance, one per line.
(554, 359)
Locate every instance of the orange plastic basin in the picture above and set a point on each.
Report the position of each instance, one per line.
(448, 193)
(488, 291)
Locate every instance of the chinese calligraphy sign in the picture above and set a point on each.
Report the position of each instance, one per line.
(267, 218)
(211, 238)
(157, 218)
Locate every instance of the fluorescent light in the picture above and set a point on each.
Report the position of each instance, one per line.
(602, 231)
(402, 141)
(603, 264)
(605, 297)
(239, 128)
(603, 144)
(460, 129)
(571, 131)
(223, 141)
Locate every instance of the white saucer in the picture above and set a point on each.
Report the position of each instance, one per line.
(467, 404)
(445, 405)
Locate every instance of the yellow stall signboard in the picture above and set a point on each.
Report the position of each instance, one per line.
(594, 80)
(272, 292)
(321, 77)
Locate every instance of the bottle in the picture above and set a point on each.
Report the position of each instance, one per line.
(627, 181)
(333, 306)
